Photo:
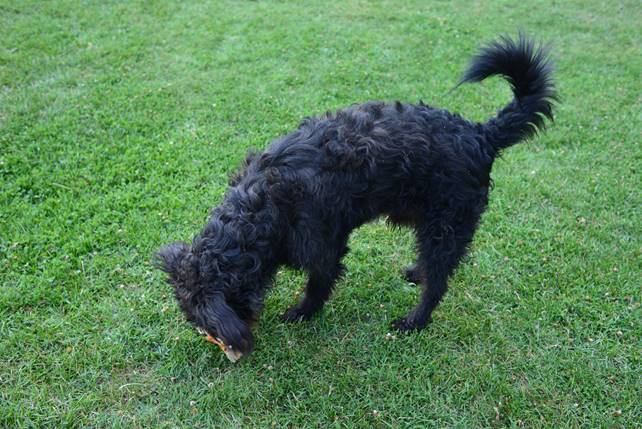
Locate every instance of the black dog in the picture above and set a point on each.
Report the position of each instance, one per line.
(297, 202)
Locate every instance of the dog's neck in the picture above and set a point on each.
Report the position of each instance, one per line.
(244, 235)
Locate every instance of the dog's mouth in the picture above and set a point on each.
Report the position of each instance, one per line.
(230, 353)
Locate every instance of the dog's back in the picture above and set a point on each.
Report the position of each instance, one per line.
(402, 159)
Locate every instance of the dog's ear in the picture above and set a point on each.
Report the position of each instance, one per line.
(217, 316)
(179, 262)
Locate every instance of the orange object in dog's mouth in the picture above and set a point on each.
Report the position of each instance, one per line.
(216, 341)
(231, 354)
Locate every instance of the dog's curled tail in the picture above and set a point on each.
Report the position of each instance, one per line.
(527, 68)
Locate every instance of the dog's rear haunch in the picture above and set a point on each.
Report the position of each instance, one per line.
(296, 203)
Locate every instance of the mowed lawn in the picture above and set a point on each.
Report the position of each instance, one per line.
(120, 123)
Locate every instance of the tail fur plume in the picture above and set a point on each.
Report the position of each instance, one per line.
(527, 68)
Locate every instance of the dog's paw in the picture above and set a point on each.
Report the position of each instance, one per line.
(414, 274)
(406, 324)
(295, 314)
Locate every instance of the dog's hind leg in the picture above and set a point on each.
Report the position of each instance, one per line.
(414, 273)
(441, 247)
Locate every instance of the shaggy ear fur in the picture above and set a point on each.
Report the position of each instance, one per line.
(179, 262)
(218, 317)
(206, 309)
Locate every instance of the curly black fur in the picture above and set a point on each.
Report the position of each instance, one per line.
(297, 202)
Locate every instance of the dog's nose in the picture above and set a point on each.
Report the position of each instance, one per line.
(233, 355)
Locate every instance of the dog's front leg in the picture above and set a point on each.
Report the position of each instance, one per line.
(318, 290)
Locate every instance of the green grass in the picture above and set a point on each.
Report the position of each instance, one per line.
(120, 122)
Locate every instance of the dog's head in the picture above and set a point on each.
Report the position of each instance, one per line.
(204, 302)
